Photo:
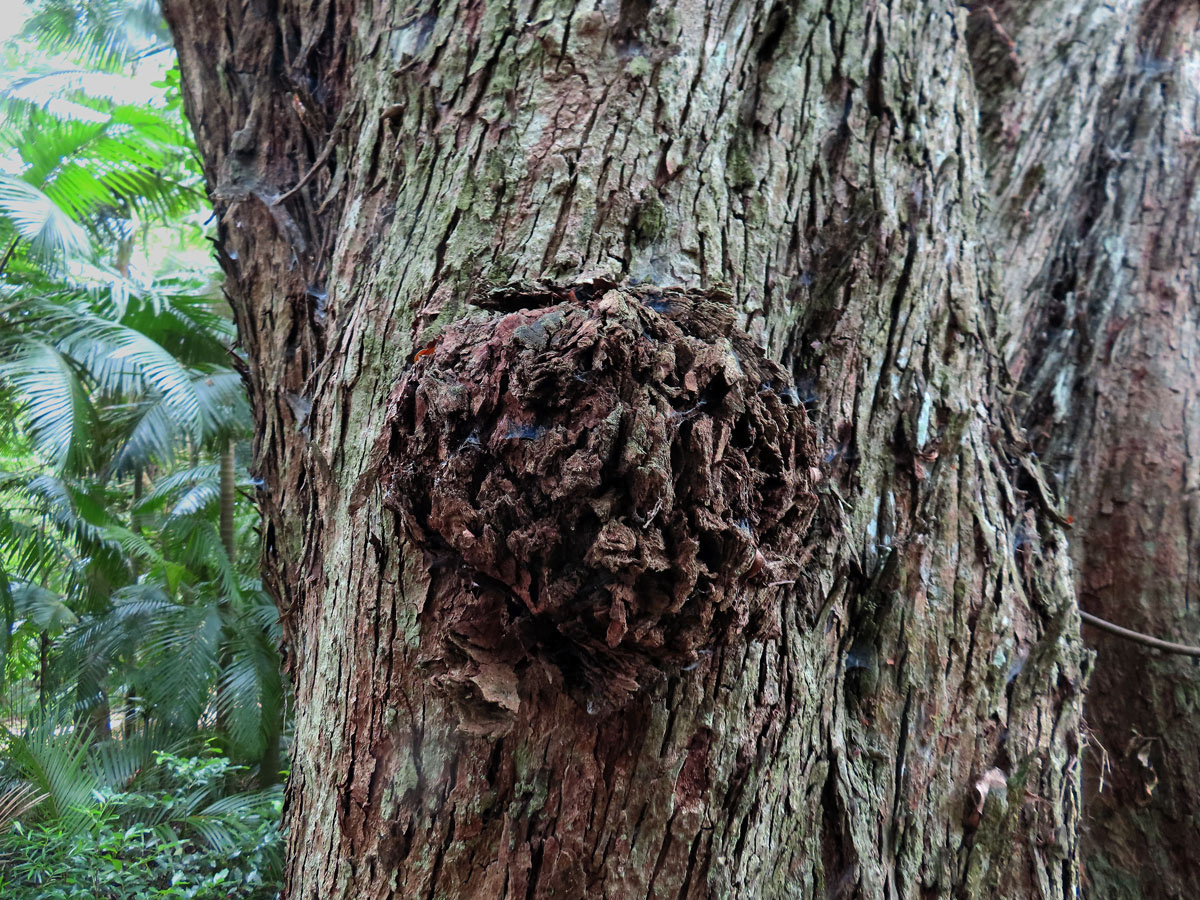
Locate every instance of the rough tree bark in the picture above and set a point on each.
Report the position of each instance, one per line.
(584, 595)
(1091, 116)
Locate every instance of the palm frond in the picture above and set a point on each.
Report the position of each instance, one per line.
(39, 221)
(98, 640)
(185, 324)
(18, 798)
(155, 435)
(51, 754)
(119, 764)
(52, 397)
(122, 161)
(200, 498)
(46, 609)
(218, 823)
(182, 651)
(52, 532)
(151, 440)
(124, 362)
(170, 486)
(193, 540)
(71, 507)
(32, 553)
(135, 545)
(103, 34)
(69, 93)
(224, 407)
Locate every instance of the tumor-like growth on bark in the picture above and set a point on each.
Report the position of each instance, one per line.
(606, 488)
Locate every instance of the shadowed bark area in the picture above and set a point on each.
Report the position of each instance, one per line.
(900, 714)
(1093, 160)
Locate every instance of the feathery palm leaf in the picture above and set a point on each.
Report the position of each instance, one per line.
(251, 695)
(51, 755)
(57, 537)
(43, 608)
(17, 798)
(194, 541)
(52, 398)
(154, 434)
(121, 763)
(92, 169)
(183, 652)
(31, 553)
(169, 487)
(101, 34)
(36, 219)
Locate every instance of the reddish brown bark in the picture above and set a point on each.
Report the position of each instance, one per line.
(1094, 163)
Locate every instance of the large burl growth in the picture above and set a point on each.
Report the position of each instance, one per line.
(606, 485)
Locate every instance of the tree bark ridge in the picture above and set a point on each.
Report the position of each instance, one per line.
(1091, 153)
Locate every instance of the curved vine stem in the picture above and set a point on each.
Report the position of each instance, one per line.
(1138, 638)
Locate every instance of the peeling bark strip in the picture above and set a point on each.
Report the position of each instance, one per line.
(375, 168)
(609, 489)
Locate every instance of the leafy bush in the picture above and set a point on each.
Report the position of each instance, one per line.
(174, 842)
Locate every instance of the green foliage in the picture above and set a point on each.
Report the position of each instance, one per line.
(103, 35)
(130, 631)
(190, 833)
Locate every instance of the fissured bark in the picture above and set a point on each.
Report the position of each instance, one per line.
(1090, 113)
(884, 701)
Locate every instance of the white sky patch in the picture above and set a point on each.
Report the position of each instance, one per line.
(12, 18)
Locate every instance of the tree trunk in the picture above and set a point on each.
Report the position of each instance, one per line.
(540, 509)
(228, 499)
(43, 669)
(1095, 230)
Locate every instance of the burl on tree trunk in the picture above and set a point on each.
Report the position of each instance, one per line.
(606, 487)
(646, 499)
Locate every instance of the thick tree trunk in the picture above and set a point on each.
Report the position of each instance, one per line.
(617, 696)
(1091, 110)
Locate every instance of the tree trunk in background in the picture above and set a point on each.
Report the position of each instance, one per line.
(1091, 116)
(889, 709)
(43, 666)
(228, 499)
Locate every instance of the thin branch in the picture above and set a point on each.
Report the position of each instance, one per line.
(321, 159)
(8, 254)
(1138, 638)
